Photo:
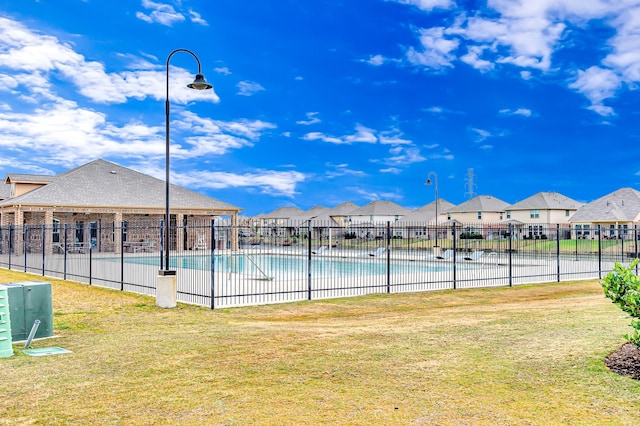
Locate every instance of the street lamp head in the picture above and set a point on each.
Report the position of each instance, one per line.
(428, 182)
(199, 83)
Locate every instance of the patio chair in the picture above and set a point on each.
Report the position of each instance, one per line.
(474, 256)
(447, 254)
(320, 250)
(201, 243)
(378, 252)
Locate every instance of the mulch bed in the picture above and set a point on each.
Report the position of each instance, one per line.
(625, 361)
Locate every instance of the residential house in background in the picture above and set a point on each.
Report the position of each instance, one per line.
(337, 215)
(5, 191)
(421, 223)
(614, 215)
(365, 221)
(533, 214)
(477, 212)
(96, 202)
(277, 223)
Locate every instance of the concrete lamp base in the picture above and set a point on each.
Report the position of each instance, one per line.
(166, 289)
(436, 251)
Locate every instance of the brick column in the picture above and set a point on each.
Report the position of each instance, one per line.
(180, 232)
(234, 231)
(117, 237)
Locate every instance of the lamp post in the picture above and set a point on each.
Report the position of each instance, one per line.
(429, 182)
(198, 84)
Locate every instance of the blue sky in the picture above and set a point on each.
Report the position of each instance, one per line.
(317, 103)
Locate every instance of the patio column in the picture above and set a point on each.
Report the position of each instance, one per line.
(117, 232)
(48, 222)
(180, 232)
(18, 223)
(234, 231)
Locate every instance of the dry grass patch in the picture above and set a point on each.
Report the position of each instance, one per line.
(527, 355)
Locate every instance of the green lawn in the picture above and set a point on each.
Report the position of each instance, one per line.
(508, 356)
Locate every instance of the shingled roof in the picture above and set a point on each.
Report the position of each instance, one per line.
(622, 205)
(547, 201)
(380, 208)
(5, 191)
(107, 185)
(426, 213)
(481, 203)
(27, 178)
(283, 213)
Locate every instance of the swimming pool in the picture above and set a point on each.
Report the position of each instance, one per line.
(276, 265)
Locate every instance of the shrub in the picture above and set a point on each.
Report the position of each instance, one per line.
(471, 236)
(622, 286)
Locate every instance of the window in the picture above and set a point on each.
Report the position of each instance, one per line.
(508, 214)
(56, 230)
(479, 215)
(566, 213)
(534, 214)
(93, 234)
(500, 215)
(448, 216)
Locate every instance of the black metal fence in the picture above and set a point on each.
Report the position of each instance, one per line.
(223, 266)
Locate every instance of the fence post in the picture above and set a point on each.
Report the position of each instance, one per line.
(43, 246)
(510, 255)
(388, 256)
(213, 261)
(90, 263)
(599, 252)
(635, 238)
(24, 245)
(122, 255)
(455, 252)
(558, 248)
(11, 243)
(64, 251)
(309, 259)
(162, 245)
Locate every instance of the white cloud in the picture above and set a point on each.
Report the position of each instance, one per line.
(523, 112)
(196, 18)
(312, 118)
(429, 5)
(527, 34)
(363, 135)
(473, 58)
(339, 170)
(249, 88)
(376, 60)
(597, 84)
(392, 170)
(393, 137)
(163, 14)
(371, 195)
(45, 57)
(437, 49)
(222, 70)
(268, 181)
(481, 134)
(402, 156)
(314, 136)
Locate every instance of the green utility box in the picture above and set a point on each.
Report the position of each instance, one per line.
(30, 301)
(6, 349)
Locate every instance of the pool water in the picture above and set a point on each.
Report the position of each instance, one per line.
(272, 265)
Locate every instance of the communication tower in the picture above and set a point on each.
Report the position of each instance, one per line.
(470, 184)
